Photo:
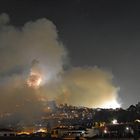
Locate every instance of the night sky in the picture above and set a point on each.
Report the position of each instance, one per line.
(105, 33)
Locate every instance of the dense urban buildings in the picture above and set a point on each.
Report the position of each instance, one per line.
(59, 120)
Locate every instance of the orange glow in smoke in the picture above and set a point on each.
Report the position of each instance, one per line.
(34, 79)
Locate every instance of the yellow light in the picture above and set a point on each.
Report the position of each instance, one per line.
(23, 132)
(42, 130)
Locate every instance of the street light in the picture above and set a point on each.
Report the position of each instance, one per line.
(114, 121)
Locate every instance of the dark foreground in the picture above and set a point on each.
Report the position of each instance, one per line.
(26, 138)
(41, 138)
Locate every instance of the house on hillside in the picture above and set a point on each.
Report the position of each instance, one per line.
(7, 132)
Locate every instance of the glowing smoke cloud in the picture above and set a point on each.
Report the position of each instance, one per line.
(91, 87)
(39, 40)
(35, 78)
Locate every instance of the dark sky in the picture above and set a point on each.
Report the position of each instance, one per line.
(105, 33)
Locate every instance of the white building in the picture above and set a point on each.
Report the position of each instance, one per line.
(7, 132)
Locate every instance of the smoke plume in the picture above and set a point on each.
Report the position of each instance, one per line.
(91, 87)
(36, 48)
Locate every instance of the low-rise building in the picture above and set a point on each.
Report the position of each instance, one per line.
(7, 132)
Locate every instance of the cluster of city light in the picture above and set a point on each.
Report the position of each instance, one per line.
(23, 133)
(33, 131)
(43, 130)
